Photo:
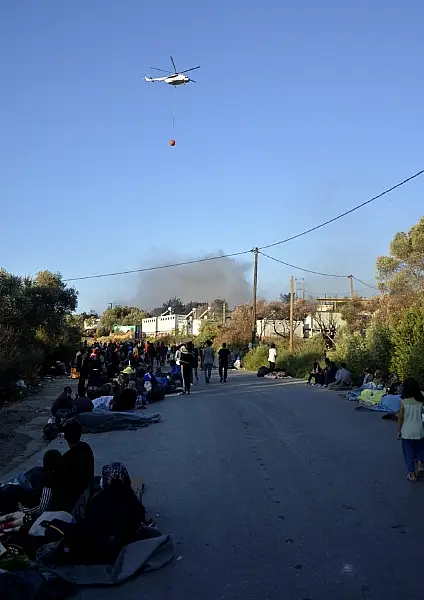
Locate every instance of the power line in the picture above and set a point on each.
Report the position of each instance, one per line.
(181, 264)
(366, 284)
(348, 212)
(302, 269)
(318, 273)
(200, 260)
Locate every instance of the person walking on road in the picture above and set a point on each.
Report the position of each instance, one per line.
(187, 363)
(196, 361)
(208, 360)
(410, 427)
(224, 357)
(272, 357)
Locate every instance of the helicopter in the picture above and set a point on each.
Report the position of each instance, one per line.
(173, 78)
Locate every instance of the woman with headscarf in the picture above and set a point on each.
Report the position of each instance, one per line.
(112, 519)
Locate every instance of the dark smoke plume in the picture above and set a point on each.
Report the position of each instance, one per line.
(203, 282)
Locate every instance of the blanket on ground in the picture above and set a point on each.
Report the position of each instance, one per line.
(102, 421)
(30, 585)
(144, 555)
(390, 403)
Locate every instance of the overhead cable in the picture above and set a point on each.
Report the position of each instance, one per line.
(298, 235)
(181, 264)
(344, 214)
(302, 269)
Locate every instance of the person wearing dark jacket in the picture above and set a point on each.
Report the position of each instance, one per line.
(187, 363)
(224, 359)
(62, 406)
(56, 485)
(82, 404)
(112, 519)
(79, 460)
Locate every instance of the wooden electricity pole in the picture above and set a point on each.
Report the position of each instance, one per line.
(291, 313)
(351, 287)
(255, 293)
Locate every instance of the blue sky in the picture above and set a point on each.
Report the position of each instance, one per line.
(300, 111)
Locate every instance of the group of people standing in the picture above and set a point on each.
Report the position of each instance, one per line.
(189, 358)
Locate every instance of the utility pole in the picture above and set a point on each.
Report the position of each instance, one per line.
(224, 313)
(291, 313)
(300, 288)
(352, 294)
(255, 293)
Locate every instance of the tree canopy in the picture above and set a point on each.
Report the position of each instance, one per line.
(403, 271)
(34, 320)
(119, 315)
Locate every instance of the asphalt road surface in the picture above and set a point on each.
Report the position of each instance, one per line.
(272, 490)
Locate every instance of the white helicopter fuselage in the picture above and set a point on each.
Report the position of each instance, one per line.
(178, 79)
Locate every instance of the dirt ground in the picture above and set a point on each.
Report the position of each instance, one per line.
(21, 424)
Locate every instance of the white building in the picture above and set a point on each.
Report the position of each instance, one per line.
(163, 325)
(169, 324)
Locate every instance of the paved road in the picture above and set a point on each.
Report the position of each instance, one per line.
(274, 491)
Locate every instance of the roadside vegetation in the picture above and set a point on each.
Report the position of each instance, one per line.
(36, 326)
(386, 334)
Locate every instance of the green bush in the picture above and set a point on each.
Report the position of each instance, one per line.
(351, 348)
(299, 363)
(378, 339)
(408, 344)
(256, 358)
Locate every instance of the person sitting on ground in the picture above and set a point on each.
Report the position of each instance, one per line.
(112, 519)
(62, 406)
(272, 357)
(343, 380)
(175, 372)
(369, 382)
(55, 491)
(329, 375)
(149, 376)
(79, 460)
(315, 374)
(125, 401)
(368, 376)
(81, 404)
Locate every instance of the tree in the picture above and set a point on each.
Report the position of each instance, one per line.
(408, 344)
(403, 271)
(328, 327)
(209, 330)
(119, 315)
(237, 332)
(34, 315)
(217, 309)
(278, 313)
(285, 298)
(357, 315)
(176, 305)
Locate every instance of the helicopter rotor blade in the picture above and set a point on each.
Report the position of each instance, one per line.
(192, 80)
(173, 64)
(192, 69)
(162, 70)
